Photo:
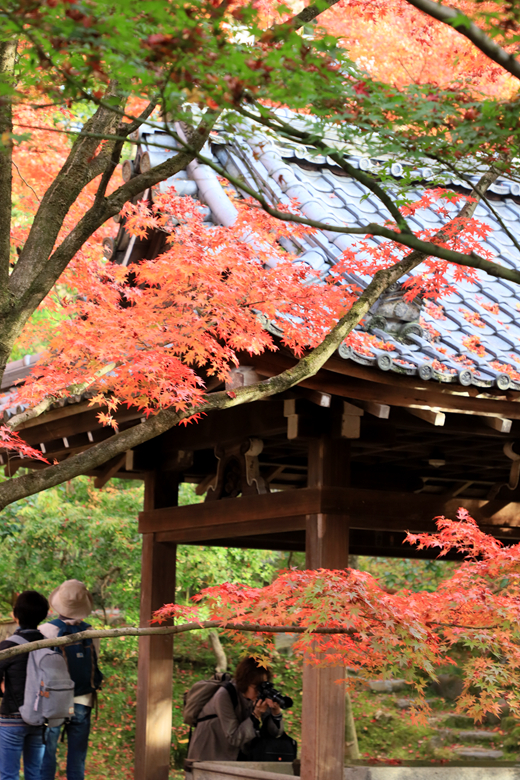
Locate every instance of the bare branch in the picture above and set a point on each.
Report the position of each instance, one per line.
(112, 156)
(276, 123)
(310, 13)
(106, 633)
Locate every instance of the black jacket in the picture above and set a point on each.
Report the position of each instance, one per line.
(13, 672)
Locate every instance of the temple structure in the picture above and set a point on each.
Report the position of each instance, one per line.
(419, 416)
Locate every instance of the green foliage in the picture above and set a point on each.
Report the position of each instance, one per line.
(200, 53)
(74, 531)
(408, 573)
(201, 567)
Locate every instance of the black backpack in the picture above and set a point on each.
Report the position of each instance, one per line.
(81, 659)
(282, 748)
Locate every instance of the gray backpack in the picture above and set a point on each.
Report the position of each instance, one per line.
(201, 692)
(49, 691)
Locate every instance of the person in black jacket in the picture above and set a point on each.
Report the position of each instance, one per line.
(16, 737)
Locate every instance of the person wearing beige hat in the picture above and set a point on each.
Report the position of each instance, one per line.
(73, 603)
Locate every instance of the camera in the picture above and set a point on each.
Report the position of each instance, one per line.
(266, 690)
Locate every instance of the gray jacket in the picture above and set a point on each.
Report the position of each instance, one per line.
(223, 737)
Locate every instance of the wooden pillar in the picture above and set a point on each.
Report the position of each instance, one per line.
(326, 544)
(155, 667)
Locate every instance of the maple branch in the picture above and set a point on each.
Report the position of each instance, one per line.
(308, 366)
(486, 200)
(309, 13)
(112, 160)
(454, 18)
(305, 368)
(256, 628)
(36, 272)
(29, 281)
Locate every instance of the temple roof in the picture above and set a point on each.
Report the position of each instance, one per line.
(470, 337)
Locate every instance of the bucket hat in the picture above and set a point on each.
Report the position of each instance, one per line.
(72, 600)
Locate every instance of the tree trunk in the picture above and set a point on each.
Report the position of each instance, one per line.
(7, 64)
(351, 741)
(220, 655)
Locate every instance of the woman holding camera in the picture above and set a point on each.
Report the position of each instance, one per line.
(235, 716)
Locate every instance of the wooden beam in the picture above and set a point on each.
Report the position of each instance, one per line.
(286, 511)
(80, 419)
(109, 470)
(362, 541)
(129, 460)
(407, 397)
(203, 534)
(315, 397)
(263, 420)
(243, 509)
(372, 374)
(432, 416)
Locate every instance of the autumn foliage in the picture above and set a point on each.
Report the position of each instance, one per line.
(166, 323)
(401, 46)
(79, 82)
(403, 634)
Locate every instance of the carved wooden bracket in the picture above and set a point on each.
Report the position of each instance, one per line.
(238, 471)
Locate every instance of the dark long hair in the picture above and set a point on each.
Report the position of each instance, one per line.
(250, 672)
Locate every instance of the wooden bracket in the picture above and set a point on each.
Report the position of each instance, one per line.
(433, 416)
(351, 421)
(238, 471)
(308, 423)
(382, 411)
(500, 424)
(110, 469)
(315, 397)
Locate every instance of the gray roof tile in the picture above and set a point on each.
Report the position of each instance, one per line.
(469, 316)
